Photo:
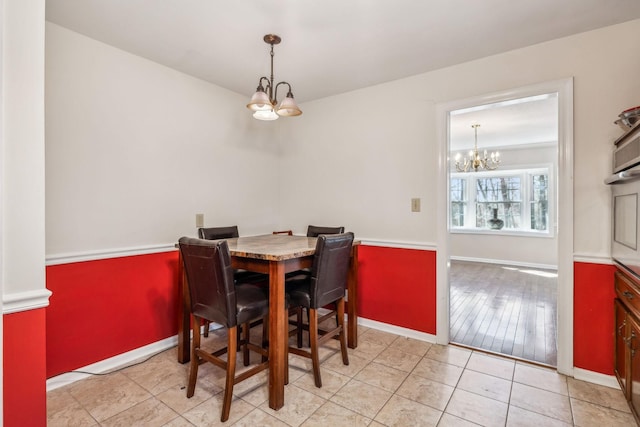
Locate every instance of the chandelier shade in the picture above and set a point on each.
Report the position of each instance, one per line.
(264, 102)
(288, 107)
(260, 101)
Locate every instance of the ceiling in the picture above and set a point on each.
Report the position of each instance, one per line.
(334, 46)
(330, 46)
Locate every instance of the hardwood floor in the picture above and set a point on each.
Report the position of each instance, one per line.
(504, 309)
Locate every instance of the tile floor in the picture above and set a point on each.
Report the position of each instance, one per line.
(390, 381)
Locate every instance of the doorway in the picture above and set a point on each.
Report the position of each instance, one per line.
(468, 237)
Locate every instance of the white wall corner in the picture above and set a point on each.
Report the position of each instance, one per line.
(23, 301)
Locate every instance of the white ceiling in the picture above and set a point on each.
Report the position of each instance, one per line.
(328, 46)
(335, 46)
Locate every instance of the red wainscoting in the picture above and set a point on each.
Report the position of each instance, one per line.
(24, 368)
(103, 308)
(398, 287)
(593, 317)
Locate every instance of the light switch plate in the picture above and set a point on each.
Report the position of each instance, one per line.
(199, 220)
(415, 205)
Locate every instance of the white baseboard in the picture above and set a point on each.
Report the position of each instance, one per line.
(596, 378)
(115, 362)
(125, 359)
(385, 327)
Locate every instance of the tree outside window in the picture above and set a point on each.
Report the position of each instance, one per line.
(520, 198)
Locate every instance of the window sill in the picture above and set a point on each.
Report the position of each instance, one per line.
(487, 231)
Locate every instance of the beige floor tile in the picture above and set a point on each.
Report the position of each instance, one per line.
(384, 377)
(519, 417)
(598, 394)
(158, 374)
(257, 418)
(334, 415)
(398, 359)
(254, 390)
(299, 404)
(544, 378)
(485, 385)
(448, 420)
(426, 391)
(477, 409)
(449, 354)
(589, 415)
(176, 398)
(106, 396)
(178, 422)
(208, 412)
(361, 398)
(411, 346)
(374, 335)
(150, 413)
(356, 364)
(401, 412)
(438, 371)
(544, 402)
(63, 410)
(331, 383)
(368, 348)
(492, 365)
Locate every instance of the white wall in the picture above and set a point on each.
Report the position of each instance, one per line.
(23, 212)
(517, 249)
(135, 150)
(357, 159)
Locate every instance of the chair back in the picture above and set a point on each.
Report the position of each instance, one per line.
(207, 265)
(330, 268)
(215, 233)
(315, 231)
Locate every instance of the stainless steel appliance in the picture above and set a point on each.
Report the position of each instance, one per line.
(625, 189)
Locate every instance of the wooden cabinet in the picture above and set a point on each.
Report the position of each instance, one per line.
(627, 338)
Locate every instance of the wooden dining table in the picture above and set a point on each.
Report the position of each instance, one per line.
(275, 255)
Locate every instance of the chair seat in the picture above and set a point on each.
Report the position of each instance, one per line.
(299, 292)
(252, 302)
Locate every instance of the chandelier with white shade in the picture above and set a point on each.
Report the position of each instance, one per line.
(264, 103)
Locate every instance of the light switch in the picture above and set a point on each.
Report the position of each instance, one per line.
(199, 220)
(415, 205)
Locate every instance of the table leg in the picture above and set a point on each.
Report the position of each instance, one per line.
(278, 335)
(184, 327)
(352, 300)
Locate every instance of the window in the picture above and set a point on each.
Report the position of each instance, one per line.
(518, 197)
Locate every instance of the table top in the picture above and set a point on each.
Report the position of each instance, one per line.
(272, 247)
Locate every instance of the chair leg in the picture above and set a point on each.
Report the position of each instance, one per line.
(313, 342)
(246, 330)
(206, 328)
(299, 325)
(195, 360)
(343, 338)
(232, 345)
(265, 335)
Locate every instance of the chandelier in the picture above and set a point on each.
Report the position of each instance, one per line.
(264, 103)
(475, 160)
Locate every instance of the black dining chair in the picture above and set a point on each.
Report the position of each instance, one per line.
(239, 275)
(315, 231)
(325, 285)
(312, 231)
(215, 233)
(215, 297)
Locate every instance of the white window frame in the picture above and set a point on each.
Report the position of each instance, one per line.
(525, 174)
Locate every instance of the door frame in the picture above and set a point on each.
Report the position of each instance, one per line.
(564, 206)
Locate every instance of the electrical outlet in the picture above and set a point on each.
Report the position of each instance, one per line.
(415, 205)
(199, 220)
